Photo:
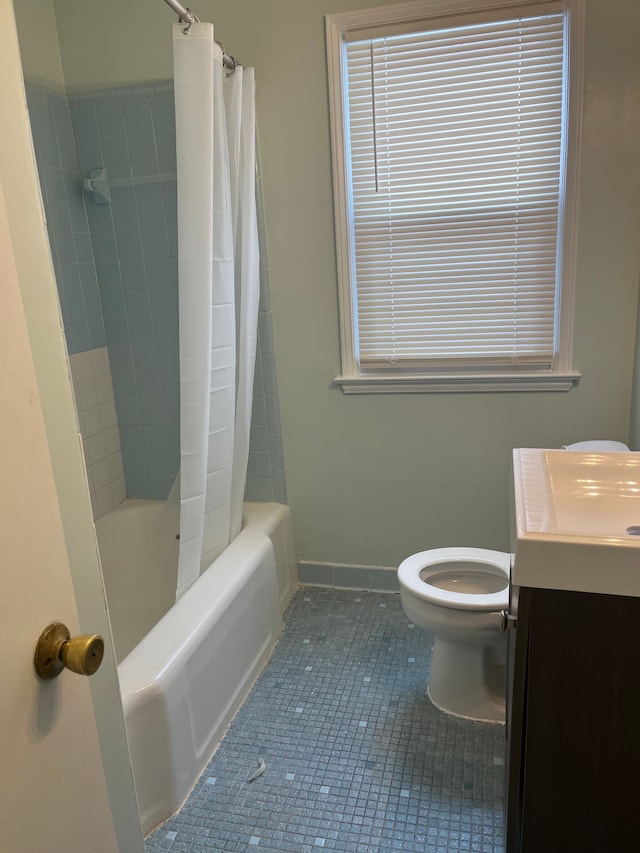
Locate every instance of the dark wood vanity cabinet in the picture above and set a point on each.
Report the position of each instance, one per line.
(573, 723)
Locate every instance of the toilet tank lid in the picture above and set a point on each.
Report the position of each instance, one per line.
(598, 446)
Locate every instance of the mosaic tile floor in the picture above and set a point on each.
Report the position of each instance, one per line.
(357, 758)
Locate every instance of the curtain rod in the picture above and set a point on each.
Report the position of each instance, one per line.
(186, 16)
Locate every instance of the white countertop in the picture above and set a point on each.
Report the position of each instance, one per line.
(573, 511)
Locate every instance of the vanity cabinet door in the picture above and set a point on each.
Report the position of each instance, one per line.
(578, 788)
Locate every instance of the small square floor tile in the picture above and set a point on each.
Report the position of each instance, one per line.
(359, 761)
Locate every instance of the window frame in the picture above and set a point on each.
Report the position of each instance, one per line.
(353, 379)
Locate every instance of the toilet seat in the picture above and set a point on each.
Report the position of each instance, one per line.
(415, 571)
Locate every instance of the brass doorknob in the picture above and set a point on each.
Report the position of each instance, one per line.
(56, 649)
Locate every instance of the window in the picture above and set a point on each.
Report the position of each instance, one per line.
(455, 160)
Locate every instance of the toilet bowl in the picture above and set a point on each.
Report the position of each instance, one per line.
(458, 594)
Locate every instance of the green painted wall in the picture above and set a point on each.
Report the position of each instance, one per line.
(374, 478)
(39, 52)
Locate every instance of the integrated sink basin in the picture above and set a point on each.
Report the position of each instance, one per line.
(577, 521)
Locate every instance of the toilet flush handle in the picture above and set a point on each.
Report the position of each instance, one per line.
(507, 621)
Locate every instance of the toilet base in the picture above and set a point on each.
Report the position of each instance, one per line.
(469, 680)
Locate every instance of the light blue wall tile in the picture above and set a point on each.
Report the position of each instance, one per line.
(143, 342)
(64, 245)
(269, 373)
(133, 272)
(272, 404)
(68, 155)
(131, 436)
(66, 217)
(163, 112)
(117, 331)
(78, 338)
(134, 461)
(137, 303)
(124, 385)
(53, 180)
(84, 119)
(153, 414)
(154, 437)
(163, 301)
(275, 451)
(92, 306)
(113, 304)
(170, 384)
(137, 113)
(70, 281)
(265, 290)
(88, 277)
(97, 335)
(157, 463)
(279, 486)
(166, 147)
(150, 213)
(159, 486)
(137, 486)
(89, 154)
(149, 386)
(315, 574)
(46, 148)
(104, 245)
(259, 412)
(115, 153)
(151, 190)
(128, 409)
(124, 213)
(159, 272)
(155, 242)
(72, 184)
(259, 464)
(99, 217)
(62, 117)
(108, 273)
(110, 116)
(83, 248)
(129, 245)
(73, 311)
(142, 149)
(265, 327)
(384, 580)
(352, 577)
(258, 379)
(259, 438)
(259, 489)
(131, 130)
(41, 114)
(121, 359)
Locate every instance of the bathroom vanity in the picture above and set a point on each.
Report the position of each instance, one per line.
(573, 702)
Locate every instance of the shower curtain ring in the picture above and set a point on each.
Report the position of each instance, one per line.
(191, 19)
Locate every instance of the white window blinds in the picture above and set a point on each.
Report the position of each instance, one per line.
(455, 154)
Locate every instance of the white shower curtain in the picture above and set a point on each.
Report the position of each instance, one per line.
(218, 272)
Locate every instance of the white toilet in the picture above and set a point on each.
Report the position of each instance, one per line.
(458, 594)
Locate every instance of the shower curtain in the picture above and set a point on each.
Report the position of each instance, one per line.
(218, 272)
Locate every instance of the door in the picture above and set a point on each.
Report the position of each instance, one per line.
(65, 776)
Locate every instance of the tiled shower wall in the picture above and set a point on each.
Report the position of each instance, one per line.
(116, 267)
(79, 294)
(130, 132)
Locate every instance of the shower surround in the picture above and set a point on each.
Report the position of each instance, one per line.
(116, 269)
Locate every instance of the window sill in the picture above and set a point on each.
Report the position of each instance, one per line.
(456, 383)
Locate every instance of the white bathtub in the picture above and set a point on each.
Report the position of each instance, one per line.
(185, 679)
